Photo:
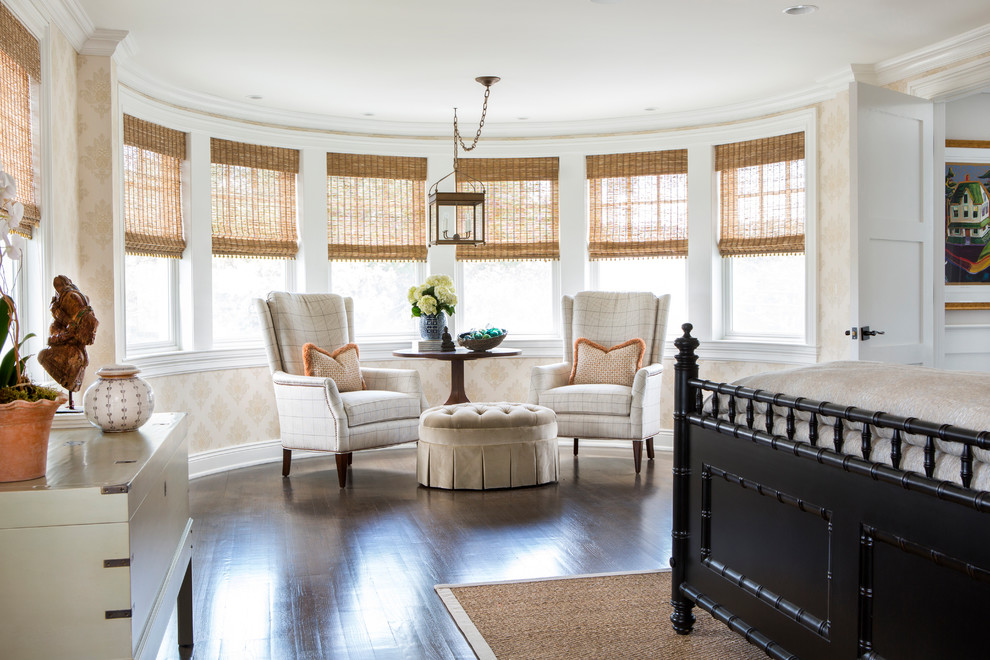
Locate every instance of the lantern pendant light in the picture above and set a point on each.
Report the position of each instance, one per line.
(458, 218)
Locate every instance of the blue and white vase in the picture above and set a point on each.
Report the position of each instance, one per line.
(431, 325)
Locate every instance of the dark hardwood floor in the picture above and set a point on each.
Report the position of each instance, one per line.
(299, 568)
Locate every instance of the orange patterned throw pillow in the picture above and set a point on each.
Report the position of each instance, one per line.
(595, 364)
(342, 366)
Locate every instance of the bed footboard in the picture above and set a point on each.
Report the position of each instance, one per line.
(815, 554)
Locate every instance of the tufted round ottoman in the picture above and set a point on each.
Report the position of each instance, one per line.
(487, 445)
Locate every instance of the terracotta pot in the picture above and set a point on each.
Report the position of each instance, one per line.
(24, 430)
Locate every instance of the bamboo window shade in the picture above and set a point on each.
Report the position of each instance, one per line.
(153, 157)
(637, 205)
(20, 66)
(521, 208)
(254, 200)
(762, 196)
(376, 208)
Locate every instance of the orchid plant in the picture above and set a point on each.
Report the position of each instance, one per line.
(433, 296)
(14, 383)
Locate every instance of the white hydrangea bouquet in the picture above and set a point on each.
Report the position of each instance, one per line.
(434, 296)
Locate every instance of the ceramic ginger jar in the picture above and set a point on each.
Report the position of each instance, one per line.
(119, 400)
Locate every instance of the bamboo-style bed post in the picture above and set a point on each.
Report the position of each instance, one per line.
(685, 368)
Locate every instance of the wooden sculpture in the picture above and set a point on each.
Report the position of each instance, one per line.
(73, 329)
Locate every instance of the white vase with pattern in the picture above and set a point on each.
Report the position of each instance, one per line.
(119, 400)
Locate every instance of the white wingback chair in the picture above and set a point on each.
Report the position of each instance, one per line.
(312, 413)
(599, 410)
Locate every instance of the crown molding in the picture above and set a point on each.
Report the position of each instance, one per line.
(108, 43)
(71, 20)
(159, 91)
(951, 84)
(941, 54)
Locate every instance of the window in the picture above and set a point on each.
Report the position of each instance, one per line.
(153, 233)
(657, 275)
(377, 237)
(638, 226)
(20, 73)
(761, 236)
(254, 232)
(510, 281)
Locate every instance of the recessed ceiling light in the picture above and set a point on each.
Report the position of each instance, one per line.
(368, 114)
(650, 109)
(255, 97)
(798, 10)
(522, 118)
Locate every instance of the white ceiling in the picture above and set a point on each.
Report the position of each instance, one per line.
(386, 63)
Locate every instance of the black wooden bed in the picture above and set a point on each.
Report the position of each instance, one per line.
(813, 553)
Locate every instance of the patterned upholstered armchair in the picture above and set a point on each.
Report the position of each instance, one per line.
(607, 410)
(312, 413)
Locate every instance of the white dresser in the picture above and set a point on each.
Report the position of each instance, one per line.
(94, 556)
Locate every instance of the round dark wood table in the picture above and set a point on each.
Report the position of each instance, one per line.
(457, 359)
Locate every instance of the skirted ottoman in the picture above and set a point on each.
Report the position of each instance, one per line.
(487, 445)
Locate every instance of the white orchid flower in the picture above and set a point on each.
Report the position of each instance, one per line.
(8, 187)
(4, 227)
(16, 213)
(12, 252)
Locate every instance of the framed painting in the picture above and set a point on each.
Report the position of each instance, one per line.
(967, 221)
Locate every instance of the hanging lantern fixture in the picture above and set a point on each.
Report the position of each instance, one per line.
(458, 218)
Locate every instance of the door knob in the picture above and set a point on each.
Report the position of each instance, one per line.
(867, 333)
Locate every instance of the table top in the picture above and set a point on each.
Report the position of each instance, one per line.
(457, 355)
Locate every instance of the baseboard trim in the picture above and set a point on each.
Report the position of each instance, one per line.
(214, 461)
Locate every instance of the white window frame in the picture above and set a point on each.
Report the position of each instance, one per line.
(172, 343)
(388, 335)
(534, 342)
(721, 343)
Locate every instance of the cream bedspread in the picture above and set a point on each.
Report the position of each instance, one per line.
(961, 398)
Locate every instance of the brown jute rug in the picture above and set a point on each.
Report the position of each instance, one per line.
(624, 615)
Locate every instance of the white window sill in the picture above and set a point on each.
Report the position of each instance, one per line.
(735, 350)
(185, 362)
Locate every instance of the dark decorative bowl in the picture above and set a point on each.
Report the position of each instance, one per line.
(486, 344)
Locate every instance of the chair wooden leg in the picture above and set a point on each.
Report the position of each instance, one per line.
(638, 454)
(575, 446)
(286, 461)
(343, 460)
(649, 449)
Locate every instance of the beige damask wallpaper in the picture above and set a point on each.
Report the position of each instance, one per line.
(834, 301)
(235, 407)
(98, 150)
(65, 161)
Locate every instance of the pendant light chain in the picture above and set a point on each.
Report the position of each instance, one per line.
(457, 133)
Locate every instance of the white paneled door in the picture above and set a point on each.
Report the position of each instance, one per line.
(891, 145)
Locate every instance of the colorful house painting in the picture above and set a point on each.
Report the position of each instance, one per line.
(968, 214)
(967, 223)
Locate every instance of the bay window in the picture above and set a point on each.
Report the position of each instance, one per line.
(762, 210)
(154, 239)
(376, 229)
(638, 225)
(509, 282)
(254, 232)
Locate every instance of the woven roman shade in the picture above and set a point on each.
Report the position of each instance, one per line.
(521, 208)
(20, 65)
(376, 208)
(254, 200)
(153, 157)
(637, 205)
(762, 198)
